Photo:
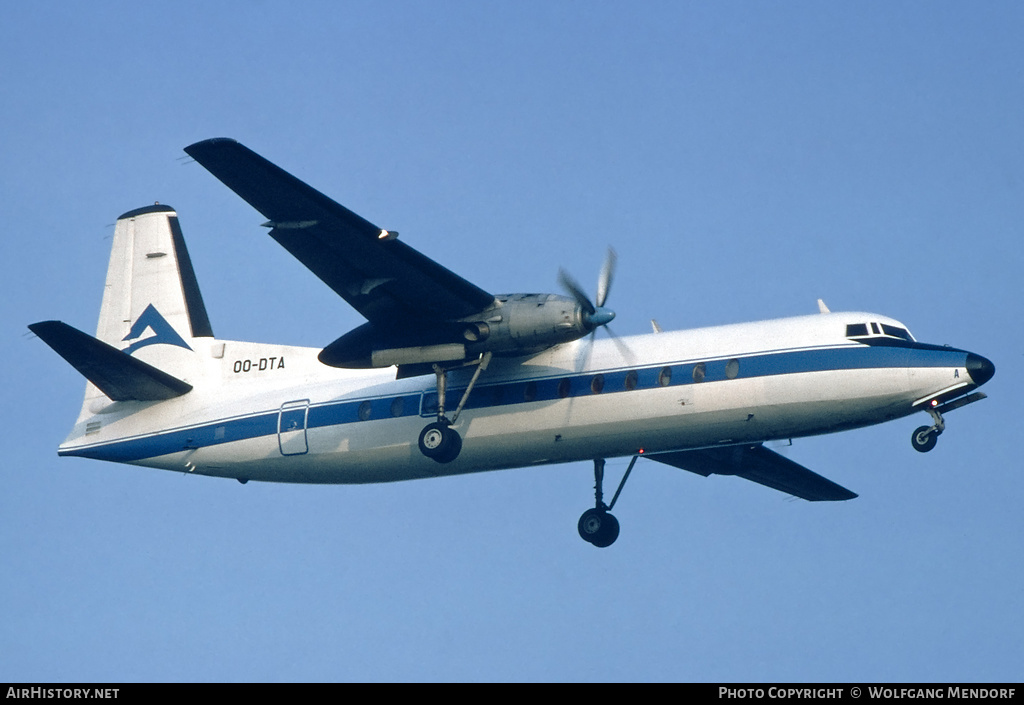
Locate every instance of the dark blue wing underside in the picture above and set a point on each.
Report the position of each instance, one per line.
(761, 465)
(388, 282)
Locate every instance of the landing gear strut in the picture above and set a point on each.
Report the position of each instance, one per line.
(438, 440)
(924, 438)
(597, 525)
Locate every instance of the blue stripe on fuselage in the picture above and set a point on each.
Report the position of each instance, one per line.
(541, 389)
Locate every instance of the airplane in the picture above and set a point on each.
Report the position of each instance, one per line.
(533, 385)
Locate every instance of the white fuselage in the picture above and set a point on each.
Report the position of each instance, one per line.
(274, 413)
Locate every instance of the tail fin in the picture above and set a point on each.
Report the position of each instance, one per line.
(151, 319)
(151, 285)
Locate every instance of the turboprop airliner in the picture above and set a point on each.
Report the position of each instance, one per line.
(447, 378)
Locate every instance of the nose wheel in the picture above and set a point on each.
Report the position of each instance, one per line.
(924, 438)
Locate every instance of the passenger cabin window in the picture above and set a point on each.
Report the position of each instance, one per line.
(530, 391)
(631, 380)
(564, 387)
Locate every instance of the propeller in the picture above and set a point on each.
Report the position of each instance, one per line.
(596, 316)
(593, 316)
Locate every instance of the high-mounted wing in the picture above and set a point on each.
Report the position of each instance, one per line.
(758, 464)
(391, 284)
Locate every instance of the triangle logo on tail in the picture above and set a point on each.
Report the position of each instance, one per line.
(163, 333)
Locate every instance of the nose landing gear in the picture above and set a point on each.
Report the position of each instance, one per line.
(924, 438)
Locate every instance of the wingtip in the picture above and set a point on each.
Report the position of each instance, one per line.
(211, 142)
(44, 326)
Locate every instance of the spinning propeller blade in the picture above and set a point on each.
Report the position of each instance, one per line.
(596, 316)
(604, 283)
(576, 291)
(593, 316)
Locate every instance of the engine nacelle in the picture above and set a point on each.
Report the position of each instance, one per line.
(516, 324)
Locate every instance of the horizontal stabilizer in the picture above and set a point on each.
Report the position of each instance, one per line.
(115, 373)
(761, 465)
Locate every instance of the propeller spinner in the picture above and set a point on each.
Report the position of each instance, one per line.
(593, 316)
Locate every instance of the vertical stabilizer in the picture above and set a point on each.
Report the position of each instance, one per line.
(152, 308)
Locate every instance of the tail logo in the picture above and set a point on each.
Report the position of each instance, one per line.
(163, 333)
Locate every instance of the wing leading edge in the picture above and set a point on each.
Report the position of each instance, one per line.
(761, 465)
(388, 282)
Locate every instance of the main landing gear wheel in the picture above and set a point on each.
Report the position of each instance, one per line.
(598, 527)
(440, 442)
(924, 438)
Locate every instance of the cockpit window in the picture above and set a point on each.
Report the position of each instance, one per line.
(897, 332)
(877, 332)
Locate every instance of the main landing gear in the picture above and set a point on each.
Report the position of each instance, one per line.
(597, 525)
(438, 440)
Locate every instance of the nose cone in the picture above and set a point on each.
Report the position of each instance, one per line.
(979, 368)
(600, 317)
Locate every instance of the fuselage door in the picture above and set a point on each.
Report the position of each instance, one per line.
(291, 427)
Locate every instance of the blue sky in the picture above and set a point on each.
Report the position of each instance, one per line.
(743, 158)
